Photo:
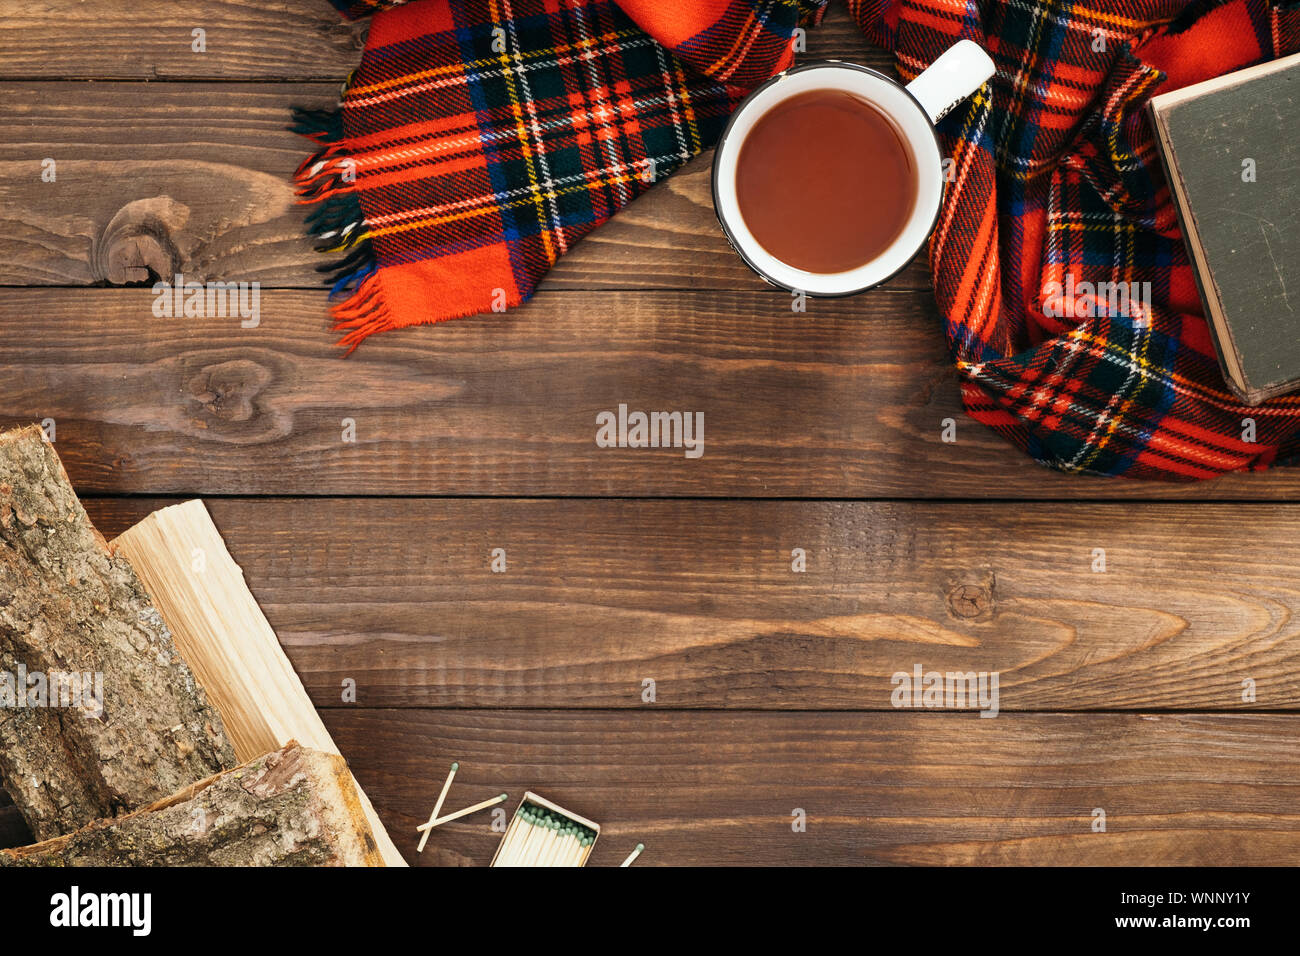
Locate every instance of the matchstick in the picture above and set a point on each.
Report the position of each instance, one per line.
(526, 832)
(559, 850)
(513, 835)
(572, 850)
(633, 855)
(557, 847)
(540, 845)
(576, 850)
(437, 807)
(543, 845)
(515, 838)
(532, 836)
(493, 801)
(512, 851)
(539, 836)
(552, 838)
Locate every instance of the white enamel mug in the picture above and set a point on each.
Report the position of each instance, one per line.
(914, 109)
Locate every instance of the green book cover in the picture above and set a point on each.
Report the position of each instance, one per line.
(1231, 148)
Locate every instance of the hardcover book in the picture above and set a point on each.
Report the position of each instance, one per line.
(1231, 150)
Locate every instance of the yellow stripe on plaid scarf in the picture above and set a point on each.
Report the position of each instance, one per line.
(688, 110)
(521, 129)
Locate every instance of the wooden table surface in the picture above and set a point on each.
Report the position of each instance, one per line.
(1121, 690)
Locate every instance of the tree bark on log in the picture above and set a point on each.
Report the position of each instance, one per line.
(227, 641)
(67, 605)
(291, 807)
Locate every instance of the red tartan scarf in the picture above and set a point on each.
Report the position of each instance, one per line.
(479, 139)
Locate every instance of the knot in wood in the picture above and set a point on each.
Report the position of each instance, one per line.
(137, 246)
(969, 601)
(227, 391)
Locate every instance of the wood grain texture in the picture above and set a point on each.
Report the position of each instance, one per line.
(185, 177)
(532, 678)
(245, 39)
(196, 178)
(896, 788)
(700, 597)
(846, 400)
(153, 40)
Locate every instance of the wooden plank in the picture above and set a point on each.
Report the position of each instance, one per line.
(847, 400)
(244, 39)
(181, 177)
(700, 597)
(897, 788)
(196, 178)
(154, 40)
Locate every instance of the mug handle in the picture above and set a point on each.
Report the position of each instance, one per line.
(960, 70)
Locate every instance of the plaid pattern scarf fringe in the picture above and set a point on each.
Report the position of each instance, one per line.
(479, 139)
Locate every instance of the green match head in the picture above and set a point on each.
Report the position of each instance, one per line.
(455, 766)
(640, 847)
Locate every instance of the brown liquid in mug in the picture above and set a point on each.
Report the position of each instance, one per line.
(825, 181)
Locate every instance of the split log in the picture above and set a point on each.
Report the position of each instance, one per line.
(144, 728)
(291, 807)
(223, 635)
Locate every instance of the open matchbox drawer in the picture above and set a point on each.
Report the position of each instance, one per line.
(532, 800)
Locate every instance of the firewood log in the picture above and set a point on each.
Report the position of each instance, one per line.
(227, 641)
(291, 807)
(69, 606)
